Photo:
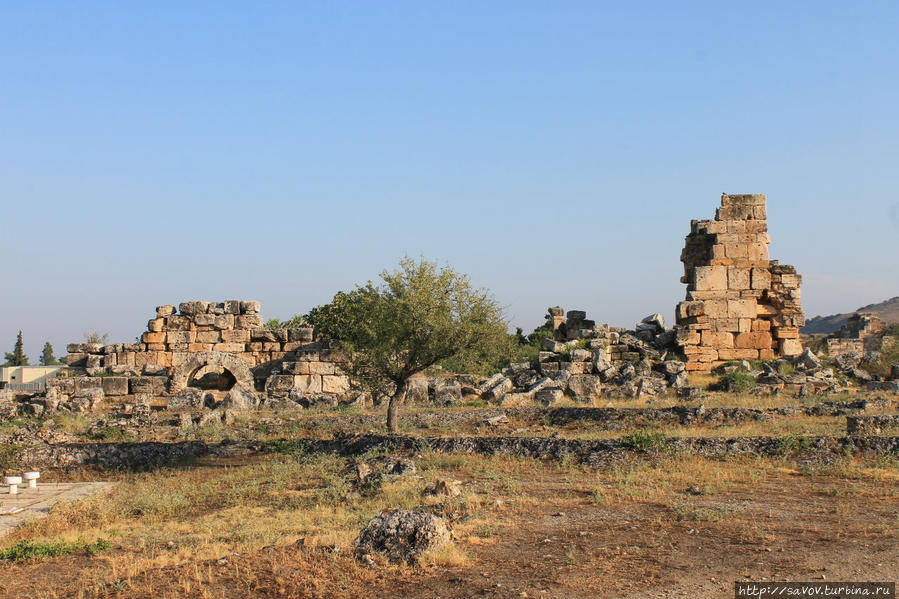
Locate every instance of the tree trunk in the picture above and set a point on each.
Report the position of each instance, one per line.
(395, 400)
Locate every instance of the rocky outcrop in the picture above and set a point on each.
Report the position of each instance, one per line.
(401, 535)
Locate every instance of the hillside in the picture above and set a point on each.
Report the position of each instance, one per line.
(887, 310)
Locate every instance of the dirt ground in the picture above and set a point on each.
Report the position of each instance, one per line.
(552, 537)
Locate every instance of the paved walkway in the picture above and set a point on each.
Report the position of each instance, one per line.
(37, 502)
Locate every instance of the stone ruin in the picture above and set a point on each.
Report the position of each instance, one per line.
(740, 305)
(861, 333)
(584, 361)
(203, 354)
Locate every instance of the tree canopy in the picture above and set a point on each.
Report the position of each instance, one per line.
(419, 316)
(47, 357)
(17, 356)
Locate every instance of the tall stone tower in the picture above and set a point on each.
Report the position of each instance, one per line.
(740, 305)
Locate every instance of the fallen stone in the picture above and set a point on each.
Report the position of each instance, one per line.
(401, 535)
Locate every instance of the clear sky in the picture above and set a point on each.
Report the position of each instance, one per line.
(156, 152)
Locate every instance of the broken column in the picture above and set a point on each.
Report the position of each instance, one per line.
(740, 305)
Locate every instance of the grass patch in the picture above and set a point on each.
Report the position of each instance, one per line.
(27, 550)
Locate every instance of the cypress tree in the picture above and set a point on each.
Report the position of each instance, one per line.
(17, 357)
(47, 357)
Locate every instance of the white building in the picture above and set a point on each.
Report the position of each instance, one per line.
(33, 378)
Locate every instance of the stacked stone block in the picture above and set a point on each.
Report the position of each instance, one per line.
(740, 305)
(862, 332)
(233, 327)
(281, 361)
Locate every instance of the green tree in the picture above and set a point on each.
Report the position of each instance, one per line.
(17, 357)
(47, 357)
(420, 316)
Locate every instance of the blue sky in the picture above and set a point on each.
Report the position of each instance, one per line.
(556, 152)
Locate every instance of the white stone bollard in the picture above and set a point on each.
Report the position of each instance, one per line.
(32, 477)
(13, 482)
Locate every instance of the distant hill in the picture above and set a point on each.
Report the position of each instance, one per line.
(888, 311)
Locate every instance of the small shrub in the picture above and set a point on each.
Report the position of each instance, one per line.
(643, 441)
(794, 444)
(734, 382)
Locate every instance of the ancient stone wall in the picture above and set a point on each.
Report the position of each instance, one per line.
(740, 305)
(198, 336)
(862, 332)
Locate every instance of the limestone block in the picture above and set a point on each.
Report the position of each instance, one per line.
(301, 335)
(182, 337)
(235, 336)
(717, 339)
(125, 358)
(761, 325)
(584, 387)
(249, 358)
(177, 323)
(688, 309)
(758, 252)
(151, 385)
(198, 347)
(279, 384)
(786, 333)
(204, 320)
(163, 311)
(710, 278)
(742, 308)
(115, 385)
(758, 340)
(76, 359)
(790, 347)
(155, 325)
(153, 337)
(687, 337)
(152, 347)
(335, 384)
(307, 383)
(249, 321)
(254, 346)
(262, 334)
(715, 308)
(217, 308)
(278, 355)
(738, 354)
(745, 325)
(271, 346)
(250, 307)
(232, 307)
(731, 325)
(766, 354)
(208, 337)
(224, 321)
(736, 250)
(738, 278)
(194, 307)
(229, 347)
(761, 278)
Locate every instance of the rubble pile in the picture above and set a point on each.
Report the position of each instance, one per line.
(584, 361)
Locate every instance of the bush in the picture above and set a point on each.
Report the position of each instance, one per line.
(735, 382)
(643, 441)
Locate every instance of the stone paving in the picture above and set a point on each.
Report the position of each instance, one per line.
(37, 502)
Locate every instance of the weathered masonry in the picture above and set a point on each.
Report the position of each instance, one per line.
(740, 305)
(222, 342)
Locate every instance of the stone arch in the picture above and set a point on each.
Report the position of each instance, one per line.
(236, 366)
